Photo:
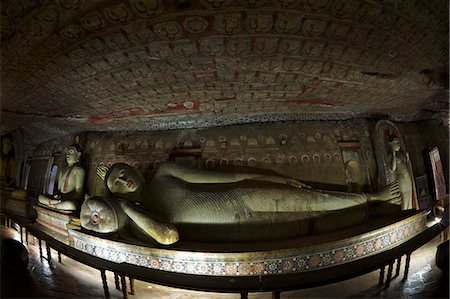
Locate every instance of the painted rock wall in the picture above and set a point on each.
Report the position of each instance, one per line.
(331, 155)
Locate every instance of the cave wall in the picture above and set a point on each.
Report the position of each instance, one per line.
(425, 135)
(316, 152)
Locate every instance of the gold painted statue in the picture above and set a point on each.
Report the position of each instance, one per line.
(180, 200)
(400, 169)
(70, 184)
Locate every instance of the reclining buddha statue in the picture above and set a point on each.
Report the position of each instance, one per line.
(185, 203)
(70, 184)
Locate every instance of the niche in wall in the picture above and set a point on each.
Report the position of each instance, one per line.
(39, 174)
(25, 174)
(53, 174)
(356, 173)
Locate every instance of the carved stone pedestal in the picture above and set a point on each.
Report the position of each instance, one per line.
(56, 221)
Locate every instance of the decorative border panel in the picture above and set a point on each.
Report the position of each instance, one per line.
(56, 222)
(283, 261)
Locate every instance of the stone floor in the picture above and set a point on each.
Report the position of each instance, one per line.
(71, 279)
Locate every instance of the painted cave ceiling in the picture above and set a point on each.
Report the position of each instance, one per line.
(84, 65)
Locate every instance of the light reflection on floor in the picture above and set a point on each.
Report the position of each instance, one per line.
(74, 280)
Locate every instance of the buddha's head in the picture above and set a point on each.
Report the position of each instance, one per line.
(123, 179)
(395, 144)
(73, 154)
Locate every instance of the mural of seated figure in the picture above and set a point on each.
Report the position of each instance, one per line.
(70, 184)
(179, 201)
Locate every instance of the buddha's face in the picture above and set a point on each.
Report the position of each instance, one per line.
(395, 145)
(122, 180)
(72, 155)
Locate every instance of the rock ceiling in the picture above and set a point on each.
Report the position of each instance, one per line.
(71, 65)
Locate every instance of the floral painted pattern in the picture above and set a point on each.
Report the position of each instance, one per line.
(54, 221)
(292, 260)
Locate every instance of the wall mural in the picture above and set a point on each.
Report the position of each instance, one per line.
(147, 65)
(305, 151)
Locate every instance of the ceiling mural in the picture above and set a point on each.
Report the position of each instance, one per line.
(162, 64)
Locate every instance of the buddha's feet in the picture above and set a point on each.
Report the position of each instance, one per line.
(391, 194)
(43, 199)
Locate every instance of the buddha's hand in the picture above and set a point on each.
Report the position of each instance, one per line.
(102, 170)
(163, 233)
(297, 184)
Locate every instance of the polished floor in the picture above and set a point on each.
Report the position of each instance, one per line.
(71, 279)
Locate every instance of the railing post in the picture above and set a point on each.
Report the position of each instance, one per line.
(132, 290)
(104, 282)
(389, 275)
(124, 286)
(116, 281)
(381, 279)
(397, 269)
(49, 254)
(408, 260)
(40, 248)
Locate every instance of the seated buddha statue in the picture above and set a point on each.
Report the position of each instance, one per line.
(179, 199)
(70, 184)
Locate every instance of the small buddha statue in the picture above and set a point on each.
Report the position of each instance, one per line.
(70, 184)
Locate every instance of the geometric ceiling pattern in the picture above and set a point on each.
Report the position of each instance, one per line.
(162, 64)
